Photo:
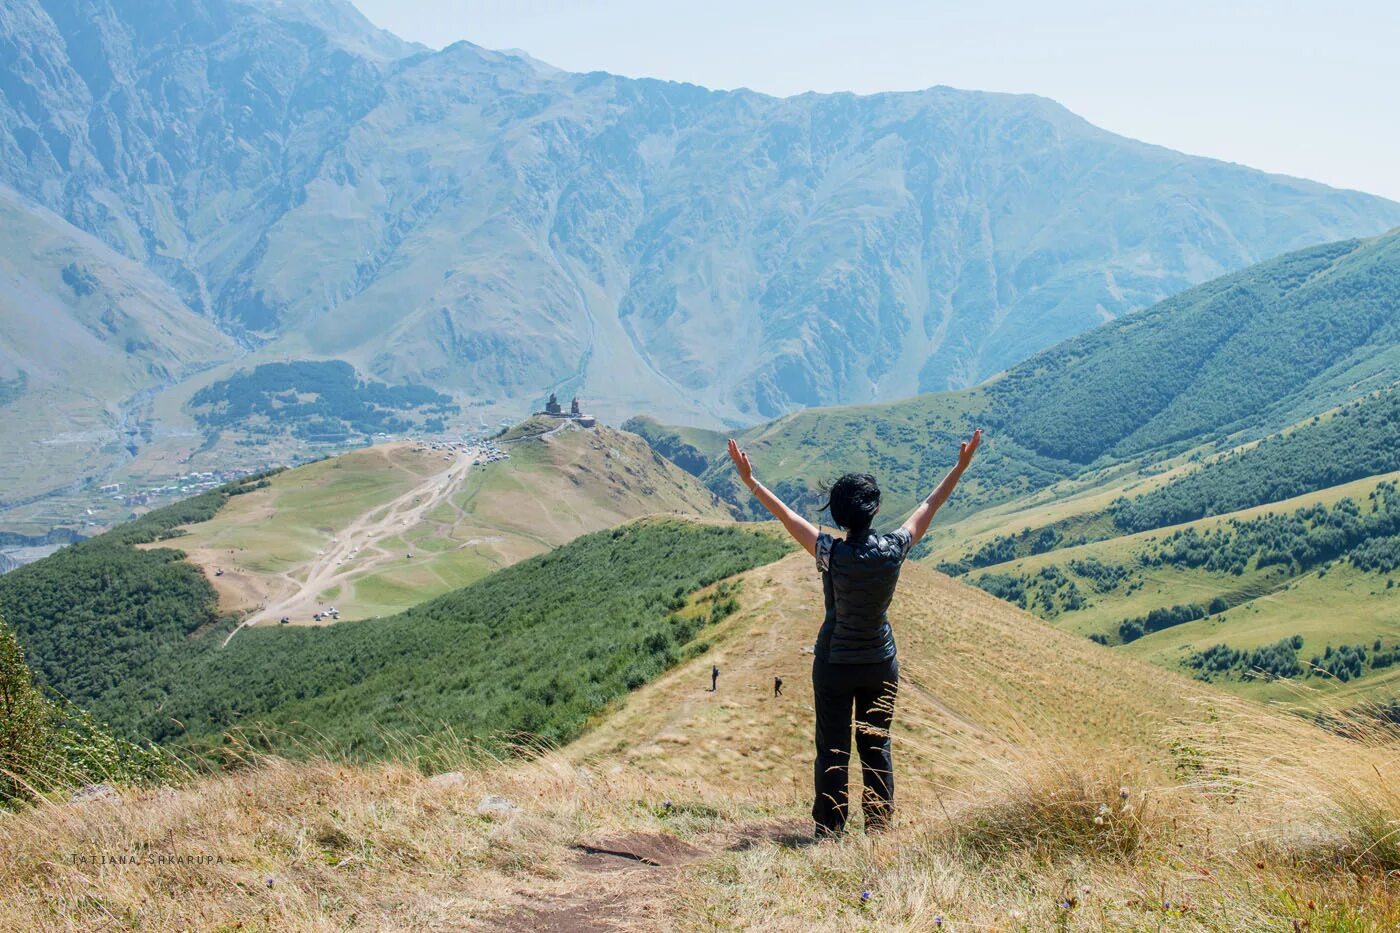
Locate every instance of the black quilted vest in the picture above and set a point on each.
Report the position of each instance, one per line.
(858, 586)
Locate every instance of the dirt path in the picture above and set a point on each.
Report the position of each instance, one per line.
(627, 881)
(359, 546)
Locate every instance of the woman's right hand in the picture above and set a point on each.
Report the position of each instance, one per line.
(968, 448)
(741, 462)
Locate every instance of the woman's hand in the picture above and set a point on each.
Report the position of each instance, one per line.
(966, 449)
(741, 462)
(917, 523)
(802, 531)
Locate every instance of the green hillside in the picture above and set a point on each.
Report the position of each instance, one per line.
(1260, 408)
(1247, 352)
(1353, 442)
(102, 610)
(692, 449)
(536, 648)
(1240, 599)
(1359, 440)
(1228, 362)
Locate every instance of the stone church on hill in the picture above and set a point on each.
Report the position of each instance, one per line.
(553, 409)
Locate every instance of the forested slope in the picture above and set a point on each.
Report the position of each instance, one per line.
(1231, 361)
(536, 649)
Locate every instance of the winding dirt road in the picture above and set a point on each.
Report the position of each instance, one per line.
(359, 546)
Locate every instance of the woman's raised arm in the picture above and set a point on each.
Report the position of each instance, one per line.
(802, 531)
(917, 523)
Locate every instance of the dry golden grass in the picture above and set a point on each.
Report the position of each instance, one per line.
(1044, 783)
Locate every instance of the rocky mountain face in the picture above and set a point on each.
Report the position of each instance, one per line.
(495, 227)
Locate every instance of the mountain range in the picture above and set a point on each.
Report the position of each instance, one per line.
(494, 227)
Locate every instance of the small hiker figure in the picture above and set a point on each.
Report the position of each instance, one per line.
(714, 678)
(777, 686)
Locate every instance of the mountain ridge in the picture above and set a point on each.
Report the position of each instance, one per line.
(1231, 360)
(727, 254)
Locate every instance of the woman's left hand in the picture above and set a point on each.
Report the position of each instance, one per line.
(741, 462)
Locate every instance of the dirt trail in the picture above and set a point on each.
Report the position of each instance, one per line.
(358, 547)
(628, 881)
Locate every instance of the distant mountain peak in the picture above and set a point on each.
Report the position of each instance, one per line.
(342, 23)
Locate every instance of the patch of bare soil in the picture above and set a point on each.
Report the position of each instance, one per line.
(622, 885)
(573, 914)
(653, 849)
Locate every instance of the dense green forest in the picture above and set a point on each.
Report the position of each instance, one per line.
(1218, 358)
(96, 613)
(317, 400)
(536, 648)
(1360, 440)
(51, 745)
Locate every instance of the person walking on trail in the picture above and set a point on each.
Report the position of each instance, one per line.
(714, 678)
(777, 687)
(854, 659)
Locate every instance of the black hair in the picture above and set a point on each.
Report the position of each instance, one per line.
(853, 500)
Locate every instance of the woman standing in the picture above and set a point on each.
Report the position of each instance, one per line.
(855, 667)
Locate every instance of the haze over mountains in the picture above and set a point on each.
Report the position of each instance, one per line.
(492, 226)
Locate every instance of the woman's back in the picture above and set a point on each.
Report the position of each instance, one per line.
(859, 575)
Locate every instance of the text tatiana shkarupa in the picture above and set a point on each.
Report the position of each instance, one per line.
(145, 858)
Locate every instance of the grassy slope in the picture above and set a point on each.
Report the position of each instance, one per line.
(1009, 737)
(550, 490)
(535, 648)
(1345, 606)
(975, 671)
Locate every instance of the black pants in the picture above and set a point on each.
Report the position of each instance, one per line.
(870, 689)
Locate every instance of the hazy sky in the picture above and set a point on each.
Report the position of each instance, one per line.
(1309, 89)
